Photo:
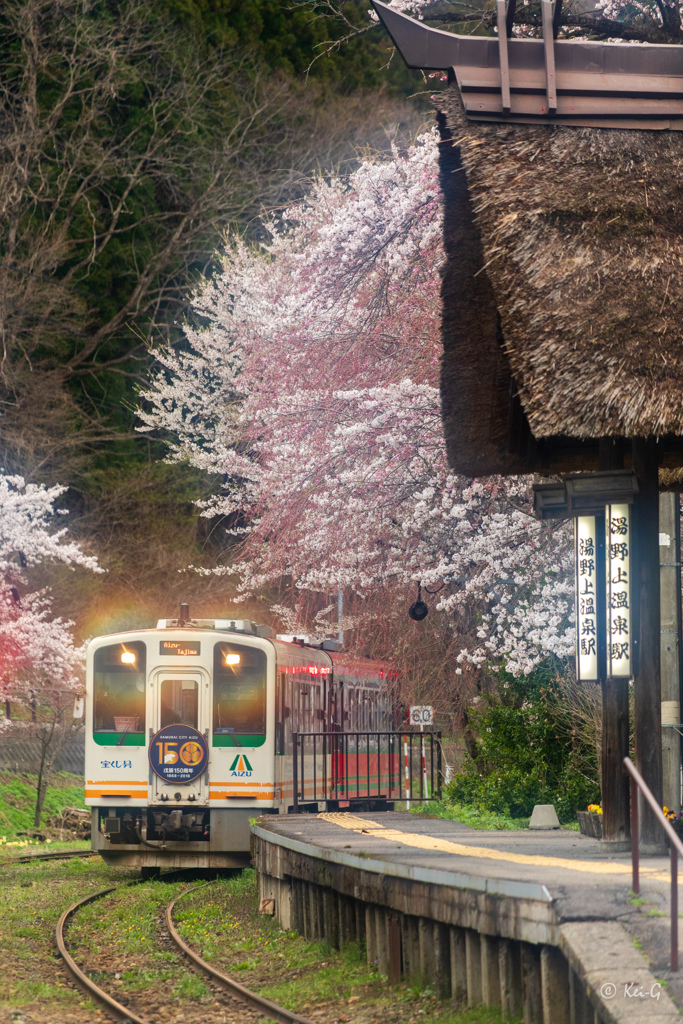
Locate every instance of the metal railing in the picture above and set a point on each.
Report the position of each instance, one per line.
(675, 848)
(367, 765)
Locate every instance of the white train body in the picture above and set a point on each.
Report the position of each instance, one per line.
(189, 735)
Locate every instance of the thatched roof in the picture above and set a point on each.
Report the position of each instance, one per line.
(563, 291)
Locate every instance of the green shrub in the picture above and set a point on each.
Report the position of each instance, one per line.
(529, 751)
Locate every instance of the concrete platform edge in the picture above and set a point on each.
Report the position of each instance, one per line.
(499, 942)
(461, 880)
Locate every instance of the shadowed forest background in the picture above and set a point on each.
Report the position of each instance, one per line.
(137, 135)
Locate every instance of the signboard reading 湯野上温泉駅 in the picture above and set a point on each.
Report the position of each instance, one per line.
(618, 567)
(586, 537)
(604, 624)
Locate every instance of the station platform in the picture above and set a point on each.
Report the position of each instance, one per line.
(553, 906)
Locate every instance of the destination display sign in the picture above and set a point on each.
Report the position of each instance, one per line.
(181, 648)
(178, 754)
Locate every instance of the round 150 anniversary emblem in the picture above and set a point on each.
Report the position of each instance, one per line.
(178, 754)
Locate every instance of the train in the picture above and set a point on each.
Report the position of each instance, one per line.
(190, 733)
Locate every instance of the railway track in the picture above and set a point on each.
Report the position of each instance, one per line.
(124, 1013)
(56, 855)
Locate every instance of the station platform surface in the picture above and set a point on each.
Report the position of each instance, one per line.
(582, 880)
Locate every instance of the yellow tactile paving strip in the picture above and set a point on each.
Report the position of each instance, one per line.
(422, 842)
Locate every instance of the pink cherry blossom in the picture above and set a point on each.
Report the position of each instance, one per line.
(310, 384)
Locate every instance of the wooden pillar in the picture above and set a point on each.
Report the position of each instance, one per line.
(616, 827)
(670, 576)
(647, 682)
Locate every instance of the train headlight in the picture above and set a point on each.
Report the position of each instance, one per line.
(128, 658)
(232, 659)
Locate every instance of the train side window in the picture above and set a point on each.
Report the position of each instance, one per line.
(239, 690)
(305, 697)
(119, 694)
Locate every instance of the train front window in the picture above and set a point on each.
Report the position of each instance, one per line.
(179, 702)
(239, 692)
(119, 694)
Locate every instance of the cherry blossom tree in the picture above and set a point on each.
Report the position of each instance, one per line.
(36, 649)
(41, 668)
(309, 384)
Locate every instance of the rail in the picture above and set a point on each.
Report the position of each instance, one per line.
(638, 785)
(256, 1002)
(346, 767)
(263, 1006)
(53, 855)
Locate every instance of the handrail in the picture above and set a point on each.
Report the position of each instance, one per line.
(638, 785)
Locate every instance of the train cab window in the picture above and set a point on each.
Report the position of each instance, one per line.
(119, 694)
(179, 702)
(239, 691)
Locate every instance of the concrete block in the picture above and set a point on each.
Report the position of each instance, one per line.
(599, 945)
(283, 904)
(554, 986)
(458, 964)
(299, 906)
(382, 941)
(395, 952)
(425, 930)
(532, 1000)
(580, 1008)
(330, 914)
(370, 934)
(442, 960)
(510, 973)
(473, 959)
(544, 816)
(315, 898)
(410, 941)
(490, 971)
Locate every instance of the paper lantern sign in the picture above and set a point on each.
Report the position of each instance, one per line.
(178, 754)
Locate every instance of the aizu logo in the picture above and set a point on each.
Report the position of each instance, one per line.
(241, 768)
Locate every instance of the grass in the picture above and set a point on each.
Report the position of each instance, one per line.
(475, 817)
(32, 896)
(478, 817)
(17, 806)
(18, 799)
(119, 940)
(221, 923)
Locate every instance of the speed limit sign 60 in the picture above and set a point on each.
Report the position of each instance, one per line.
(421, 714)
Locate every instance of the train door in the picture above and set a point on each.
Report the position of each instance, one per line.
(179, 736)
(285, 718)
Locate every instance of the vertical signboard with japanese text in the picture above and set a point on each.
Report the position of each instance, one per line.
(618, 580)
(586, 537)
